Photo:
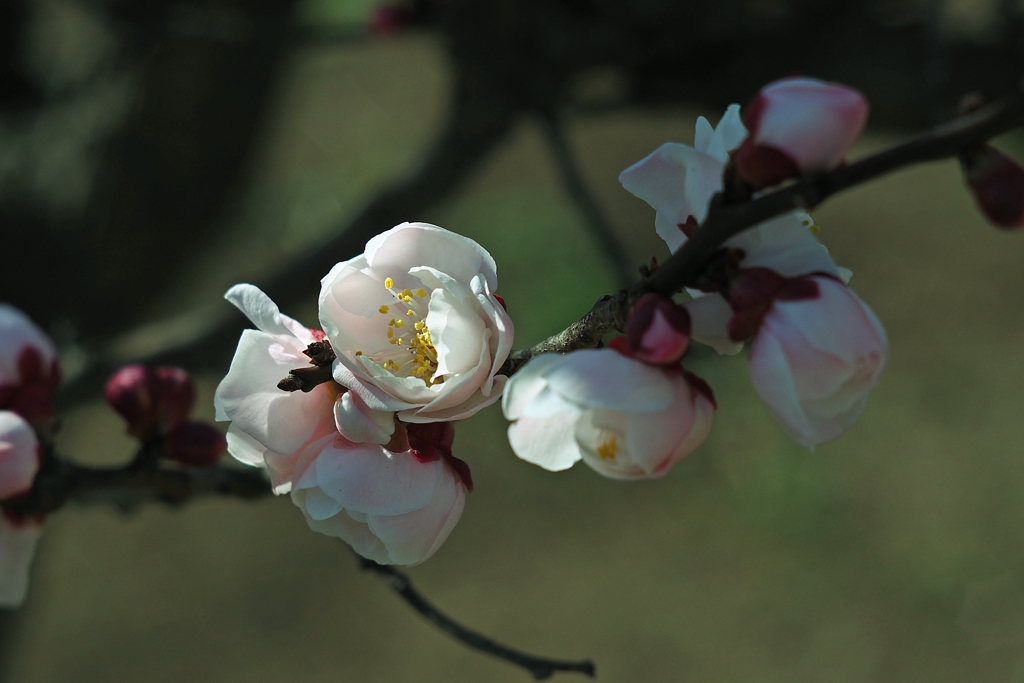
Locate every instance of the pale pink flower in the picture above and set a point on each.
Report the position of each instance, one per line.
(19, 462)
(658, 330)
(814, 359)
(29, 372)
(799, 125)
(391, 507)
(625, 419)
(416, 325)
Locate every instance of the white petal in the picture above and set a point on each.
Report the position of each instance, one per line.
(249, 396)
(457, 332)
(549, 442)
(244, 448)
(728, 135)
(785, 245)
(603, 378)
(264, 313)
(17, 548)
(356, 534)
(526, 384)
(709, 323)
(410, 245)
(367, 478)
(361, 424)
(19, 454)
(413, 537)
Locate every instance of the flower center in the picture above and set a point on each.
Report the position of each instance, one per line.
(608, 447)
(410, 351)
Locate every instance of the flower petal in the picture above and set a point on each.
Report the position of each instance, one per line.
(549, 442)
(17, 548)
(360, 424)
(367, 478)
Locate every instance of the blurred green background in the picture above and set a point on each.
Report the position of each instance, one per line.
(893, 554)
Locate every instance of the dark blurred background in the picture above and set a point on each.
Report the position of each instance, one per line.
(154, 153)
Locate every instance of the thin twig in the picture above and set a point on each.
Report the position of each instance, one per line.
(724, 221)
(541, 668)
(594, 219)
(142, 480)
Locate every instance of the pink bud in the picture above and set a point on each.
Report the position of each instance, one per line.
(798, 125)
(815, 359)
(19, 455)
(658, 330)
(195, 444)
(997, 183)
(151, 399)
(29, 373)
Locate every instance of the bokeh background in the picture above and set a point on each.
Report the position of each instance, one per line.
(154, 153)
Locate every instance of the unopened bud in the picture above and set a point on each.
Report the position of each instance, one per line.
(151, 399)
(433, 441)
(997, 183)
(195, 444)
(658, 330)
(797, 126)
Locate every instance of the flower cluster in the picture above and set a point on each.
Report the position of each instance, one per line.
(413, 336)
(816, 349)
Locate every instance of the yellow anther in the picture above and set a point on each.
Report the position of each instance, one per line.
(391, 333)
(388, 283)
(419, 325)
(359, 353)
(394, 365)
(392, 323)
(383, 309)
(806, 223)
(398, 323)
(410, 312)
(421, 292)
(405, 293)
(609, 447)
(815, 229)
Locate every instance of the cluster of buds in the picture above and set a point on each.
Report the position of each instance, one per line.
(156, 402)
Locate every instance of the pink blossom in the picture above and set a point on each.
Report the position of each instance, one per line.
(391, 507)
(29, 372)
(815, 357)
(799, 125)
(416, 325)
(625, 419)
(19, 462)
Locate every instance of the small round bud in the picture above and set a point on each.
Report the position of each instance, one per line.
(798, 125)
(195, 444)
(997, 183)
(151, 400)
(658, 330)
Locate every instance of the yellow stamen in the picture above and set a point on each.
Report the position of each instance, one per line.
(398, 323)
(388, 283)
(815, 229)
(419, 325)
(421, 292)
(609, 447)
(410, 312)
(383, 309)
(359, 353)
(391, 333)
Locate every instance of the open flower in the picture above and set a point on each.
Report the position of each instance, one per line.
(416, 326)
(392, 507)
(19, 462)
(625, 419)
(28, 366)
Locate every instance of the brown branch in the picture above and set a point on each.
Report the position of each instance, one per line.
(145, 479)
(541, 668)
(726, 220)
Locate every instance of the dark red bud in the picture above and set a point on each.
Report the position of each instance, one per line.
(195, 444)
(997, 183)
(32, 396)
(502, 302)
(762, 166)
(151, 399)
(658, 330)
(752, 293)
(433, 441)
